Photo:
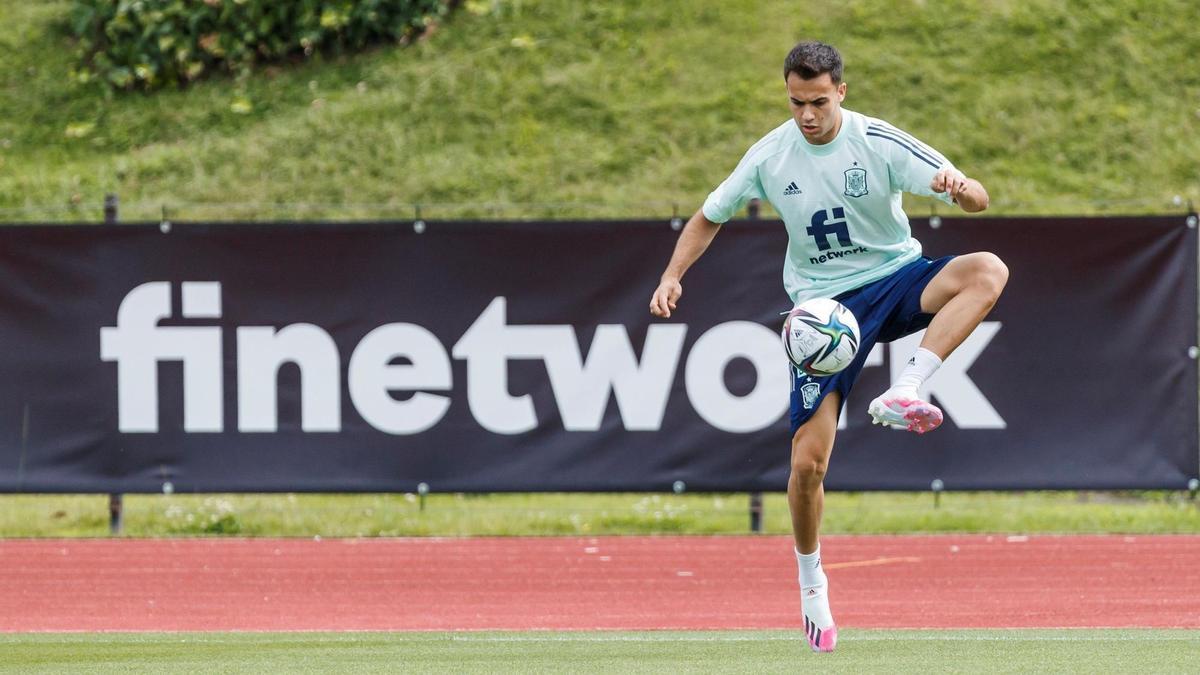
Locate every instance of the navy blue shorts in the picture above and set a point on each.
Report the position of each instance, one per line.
(886, 310)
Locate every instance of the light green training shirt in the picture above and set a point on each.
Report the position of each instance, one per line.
(840, 202)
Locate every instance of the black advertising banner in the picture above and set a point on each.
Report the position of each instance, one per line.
(521, 356)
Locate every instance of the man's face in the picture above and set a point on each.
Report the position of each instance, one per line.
(816, 106)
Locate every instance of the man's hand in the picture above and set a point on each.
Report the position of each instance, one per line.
(969, 194)
(950, 180)
(665, 297)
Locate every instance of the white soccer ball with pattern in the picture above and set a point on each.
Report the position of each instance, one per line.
(821, 336)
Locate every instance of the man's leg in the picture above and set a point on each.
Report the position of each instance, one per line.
(811, 446)
(958, 296)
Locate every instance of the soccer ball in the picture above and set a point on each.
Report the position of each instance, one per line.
(820, 336)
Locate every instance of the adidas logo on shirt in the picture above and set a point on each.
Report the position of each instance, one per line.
(791, 189)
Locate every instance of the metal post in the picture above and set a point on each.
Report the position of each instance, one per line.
(1193, 221)
(756, 511)
(115, 503)
(422, 491)
(111, 203)
(756, 498)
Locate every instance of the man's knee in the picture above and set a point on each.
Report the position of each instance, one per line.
(989, 276)
(808, 464)
(813, 443)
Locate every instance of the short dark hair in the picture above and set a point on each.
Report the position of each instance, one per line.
(810, 59)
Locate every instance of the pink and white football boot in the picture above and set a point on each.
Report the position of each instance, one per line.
(903, 410)
(819, 639)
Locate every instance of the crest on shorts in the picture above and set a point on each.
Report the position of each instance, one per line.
(809, 393)
(856, 182)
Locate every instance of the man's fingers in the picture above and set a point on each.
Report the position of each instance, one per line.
(951, 182)
(663, 300)
(658, 306)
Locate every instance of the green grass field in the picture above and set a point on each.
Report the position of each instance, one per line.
(306, 515)
(619, 108)
(992, 651)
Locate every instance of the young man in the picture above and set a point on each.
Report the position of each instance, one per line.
(836, 177)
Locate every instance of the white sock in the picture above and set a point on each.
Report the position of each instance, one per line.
(811, 573)
(814, 588)
(921, 367)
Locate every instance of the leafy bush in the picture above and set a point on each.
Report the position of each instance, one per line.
(147, 44)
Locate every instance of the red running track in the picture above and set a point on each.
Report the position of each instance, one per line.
(688, 582)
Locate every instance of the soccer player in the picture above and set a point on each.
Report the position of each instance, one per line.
(836, 177)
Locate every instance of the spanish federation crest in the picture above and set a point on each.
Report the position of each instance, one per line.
(856, 182)
(809, 393)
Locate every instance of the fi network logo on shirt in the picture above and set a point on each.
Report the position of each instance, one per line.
(792, 189)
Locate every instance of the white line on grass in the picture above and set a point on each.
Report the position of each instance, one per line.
(250, 637)
(856, 638)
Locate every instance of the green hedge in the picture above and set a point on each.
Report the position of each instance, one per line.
(147, 44)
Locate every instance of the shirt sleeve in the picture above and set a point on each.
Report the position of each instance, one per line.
(913, 164)
(732, 194)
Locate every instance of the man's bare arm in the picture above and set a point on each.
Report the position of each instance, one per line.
(693, 242)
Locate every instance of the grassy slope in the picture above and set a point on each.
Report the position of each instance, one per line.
(1043, 651)
(615, 109)
(584, 514)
